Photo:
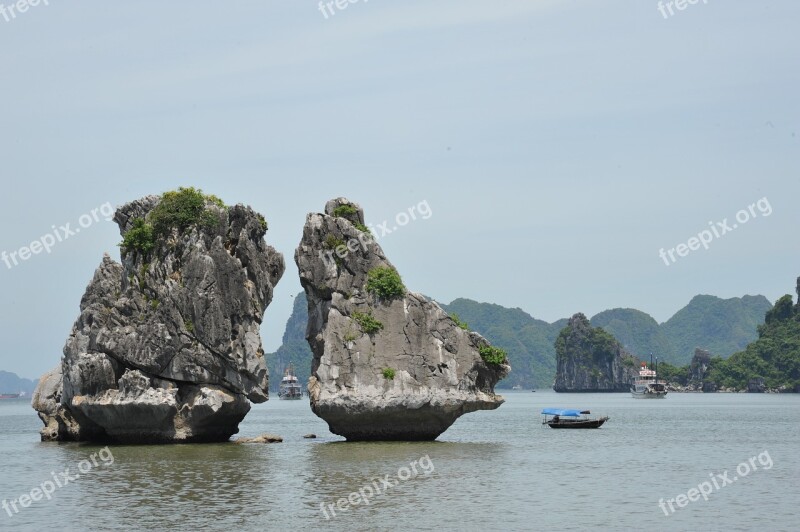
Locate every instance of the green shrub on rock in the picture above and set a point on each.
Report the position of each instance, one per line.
(492, 355)
(459, 322)
(367, 323)
(140, 238)
(385, 283)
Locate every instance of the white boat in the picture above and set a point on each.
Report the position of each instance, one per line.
(647, 386)
(290, 387)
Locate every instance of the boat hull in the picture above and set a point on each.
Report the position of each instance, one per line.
(649, 394)
(577, 424)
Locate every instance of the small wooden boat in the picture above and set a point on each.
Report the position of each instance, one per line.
(564, 418)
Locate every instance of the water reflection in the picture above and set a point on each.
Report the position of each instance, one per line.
(148, 486)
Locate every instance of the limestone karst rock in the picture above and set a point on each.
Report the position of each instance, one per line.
(588, 359)
(388, 364)
(167, 345)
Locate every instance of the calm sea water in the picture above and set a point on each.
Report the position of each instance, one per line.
(498, 470)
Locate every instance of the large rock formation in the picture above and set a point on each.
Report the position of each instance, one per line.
(588, 359)
(388, 364)
(167, 346)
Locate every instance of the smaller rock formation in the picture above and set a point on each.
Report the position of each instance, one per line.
(699, 366)
(388, 364)
(264, 438)
(588, 359)
(756, 385)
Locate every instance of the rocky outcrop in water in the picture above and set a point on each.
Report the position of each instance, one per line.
(388, 364)
(167, 346)
(588, 359)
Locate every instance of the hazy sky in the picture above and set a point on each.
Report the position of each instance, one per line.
(559, 144)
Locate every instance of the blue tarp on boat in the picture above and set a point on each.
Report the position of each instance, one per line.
(565, 412)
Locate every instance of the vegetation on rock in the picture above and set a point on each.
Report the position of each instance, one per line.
(345, 211)
(459, 322)
(140, 238)
(367, 323)
(492, 355)
(385, 283)
(773, 358)
(178, 209)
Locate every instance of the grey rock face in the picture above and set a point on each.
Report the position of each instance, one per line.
(167, 345)
(408, 380)
(588, 359)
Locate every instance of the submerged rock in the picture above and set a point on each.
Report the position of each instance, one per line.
(167, 346)
(264, 438)
(388, 364)
(589, 359)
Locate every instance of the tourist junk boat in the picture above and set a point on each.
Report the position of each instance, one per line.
(290, 387)
(647, 386)
(9, 395)
(565, 418)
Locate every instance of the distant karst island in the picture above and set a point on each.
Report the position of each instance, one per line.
(715, 328)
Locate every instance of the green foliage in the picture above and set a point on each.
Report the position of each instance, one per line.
(261, 220)
(385, 283)
(367, 323)
(528, 341)
(637, 331)
(722, 326)
(673, 374)
(492, 355)
(592, 345)
(140, 238)
(189, 326)
(345, 211)
(331, 242)
(176, 210)
(782, 311)
(774, 356)
(459, 322)
(182, 209)
(388, 373)
(350, 213)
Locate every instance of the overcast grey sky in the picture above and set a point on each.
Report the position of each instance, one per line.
(559, 144)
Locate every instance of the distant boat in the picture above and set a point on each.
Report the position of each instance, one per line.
(290, 387)
(517, 387)
(647, 386)
(9, 395)
(564, 418)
